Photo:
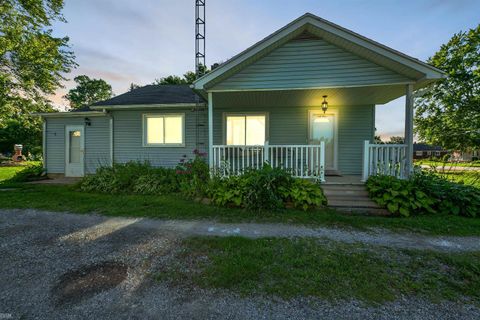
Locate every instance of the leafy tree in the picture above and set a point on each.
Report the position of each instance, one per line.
(448, 113)
(188, 78)
(396, 140)
(133, 86)
(88, 91)
(32, 62)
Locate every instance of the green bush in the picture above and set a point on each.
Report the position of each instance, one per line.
(424, 193)
(265, 189)
(451, 198)
(131, 177)
(194, 175)
(31, 172)
(399, 196)
(304, 194)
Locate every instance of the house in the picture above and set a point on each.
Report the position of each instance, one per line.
(303, 99)
(472, 155)
(425, 151)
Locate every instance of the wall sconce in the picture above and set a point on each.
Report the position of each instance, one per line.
(324, 104)
(88, 122)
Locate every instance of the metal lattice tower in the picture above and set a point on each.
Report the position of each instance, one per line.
(199, 37)
(200, 67)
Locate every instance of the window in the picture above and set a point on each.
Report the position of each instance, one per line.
(419, 153)
(246, 129)
(163, 130)
(429, 153)
(438, 153)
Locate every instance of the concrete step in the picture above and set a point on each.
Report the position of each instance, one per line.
(345, 193)
(343, 187)
(352, 203)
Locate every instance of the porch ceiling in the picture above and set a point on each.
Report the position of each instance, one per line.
(310, 97)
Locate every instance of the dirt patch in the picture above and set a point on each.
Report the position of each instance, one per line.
(77, 285)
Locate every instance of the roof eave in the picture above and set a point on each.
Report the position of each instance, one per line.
(147, 106)
(429, 71)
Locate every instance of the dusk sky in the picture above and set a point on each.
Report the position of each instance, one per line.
(124, 41)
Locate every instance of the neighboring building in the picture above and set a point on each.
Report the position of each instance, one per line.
(302, 98)
(466, 155)
(426, 151)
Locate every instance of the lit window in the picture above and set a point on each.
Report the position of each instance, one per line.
(164, 129)
(419, 153)
(246, 130)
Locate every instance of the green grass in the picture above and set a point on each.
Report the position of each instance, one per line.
(67, 198)
(465, 177)
(333, 271)
(440, 163)
(8, 172)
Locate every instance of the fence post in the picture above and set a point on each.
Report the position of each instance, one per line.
(322, 161)
(266, 153)
(366, 160)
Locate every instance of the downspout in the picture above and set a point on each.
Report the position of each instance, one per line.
(111, 136)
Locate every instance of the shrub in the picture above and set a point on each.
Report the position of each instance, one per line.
(452, 198)
(424, 193)
(31, 172)
(265, 189)
(304, 194)
(194, 175)
(131, 177)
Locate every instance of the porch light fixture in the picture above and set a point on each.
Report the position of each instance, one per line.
(88, 122)
(324, 104)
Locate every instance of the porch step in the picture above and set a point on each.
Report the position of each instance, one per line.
(351, 198)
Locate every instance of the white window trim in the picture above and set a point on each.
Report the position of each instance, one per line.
(244, 114)
(162, 145)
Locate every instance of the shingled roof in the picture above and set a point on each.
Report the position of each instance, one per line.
(154, 94)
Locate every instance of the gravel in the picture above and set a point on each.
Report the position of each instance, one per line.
(42, 252)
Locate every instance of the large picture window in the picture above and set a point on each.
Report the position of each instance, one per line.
(163, 129)
(246, 129)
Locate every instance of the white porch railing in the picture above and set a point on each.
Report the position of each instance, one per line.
(303, 161)
(384, 159)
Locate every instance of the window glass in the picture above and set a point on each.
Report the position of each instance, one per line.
(173, 130)
(255, 132)
(163, 129)
(236, 130)
(154, 130)
(75, 137)
(246, 130)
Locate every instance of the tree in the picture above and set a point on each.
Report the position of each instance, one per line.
(133, 86)
(32, 62)
(188, 77)
(88, 91)
(396, 140)
(448, 112)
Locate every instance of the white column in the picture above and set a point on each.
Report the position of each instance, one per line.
(409, 129)
(210, 129)
(366, 160)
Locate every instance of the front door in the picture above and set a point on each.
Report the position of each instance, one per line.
(322, 128)
(74, 151)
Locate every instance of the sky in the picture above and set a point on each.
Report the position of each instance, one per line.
(125, 41)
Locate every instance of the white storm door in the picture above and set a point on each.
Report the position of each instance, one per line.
(74, 151)
(322, 128)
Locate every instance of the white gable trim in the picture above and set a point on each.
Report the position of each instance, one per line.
(429, 71)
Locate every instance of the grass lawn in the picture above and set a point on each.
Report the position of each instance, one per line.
(8, 172)
(66, 198)
(308, 267)
(447, 164)
(466, 177)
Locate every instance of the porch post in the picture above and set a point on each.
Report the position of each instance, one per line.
(409, 129)
(210, 129)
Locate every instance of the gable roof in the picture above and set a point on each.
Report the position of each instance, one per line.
(153, 94)
(420, 72)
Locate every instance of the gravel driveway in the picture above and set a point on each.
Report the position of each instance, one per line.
(50, 260)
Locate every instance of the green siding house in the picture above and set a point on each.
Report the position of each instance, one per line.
(302, 99)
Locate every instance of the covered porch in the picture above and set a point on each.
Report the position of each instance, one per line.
(288, 129)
